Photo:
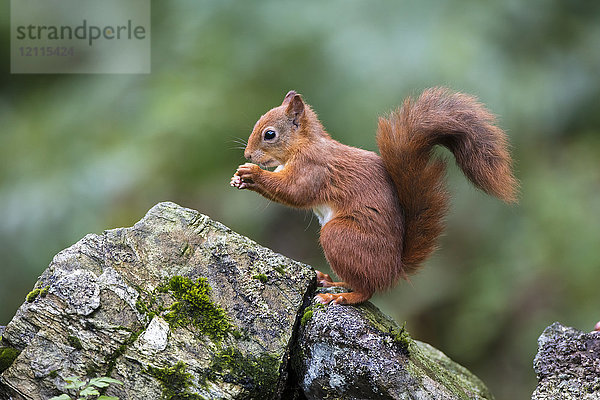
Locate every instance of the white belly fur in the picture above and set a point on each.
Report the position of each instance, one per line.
(324, 213)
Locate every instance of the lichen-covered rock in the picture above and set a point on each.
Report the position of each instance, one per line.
(354, 353)
(567, 364)
(178, 306)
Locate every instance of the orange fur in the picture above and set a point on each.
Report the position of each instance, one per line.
(381, 215)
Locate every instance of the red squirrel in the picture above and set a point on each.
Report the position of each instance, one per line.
(380, 215)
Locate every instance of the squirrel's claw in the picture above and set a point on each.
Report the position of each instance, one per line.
(333, 298)
(244, 176)
(236, 181)
(323, 279)
(324, 298)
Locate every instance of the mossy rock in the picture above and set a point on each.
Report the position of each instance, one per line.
(180, 307)
(177, 306)
(359, 353)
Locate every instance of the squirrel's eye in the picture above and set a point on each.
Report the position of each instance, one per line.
(270, 134)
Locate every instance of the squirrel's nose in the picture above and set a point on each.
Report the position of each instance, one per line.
(248, 156)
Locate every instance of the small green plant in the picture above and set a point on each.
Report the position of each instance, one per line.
(87, 389)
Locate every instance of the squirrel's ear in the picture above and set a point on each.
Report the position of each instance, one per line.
(295, 108)
(288, 97)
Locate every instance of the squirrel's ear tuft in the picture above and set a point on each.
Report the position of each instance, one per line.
(295, 107)
(288, 97)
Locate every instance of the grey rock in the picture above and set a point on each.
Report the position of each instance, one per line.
(357, 353)
(101, 309)
(179, 306)
(567, 364)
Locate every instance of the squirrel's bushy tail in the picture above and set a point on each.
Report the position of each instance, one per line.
(406, 140)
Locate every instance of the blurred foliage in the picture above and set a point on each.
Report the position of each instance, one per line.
(83, 153)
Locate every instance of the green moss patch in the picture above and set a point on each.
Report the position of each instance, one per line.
(175, 382)
(309, 312)
(401, 337)
(195, 307)
(74, 342)
(7, 357)
(31, 296)
(261, 277)
(146, 308)
(257, 375)
(386, 325)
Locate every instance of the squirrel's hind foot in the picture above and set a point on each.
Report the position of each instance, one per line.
(343, 298)
(324, 280)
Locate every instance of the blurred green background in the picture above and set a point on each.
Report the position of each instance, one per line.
(84, 153)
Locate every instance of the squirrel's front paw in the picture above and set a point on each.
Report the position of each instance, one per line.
(236, 181)
(245, 176)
